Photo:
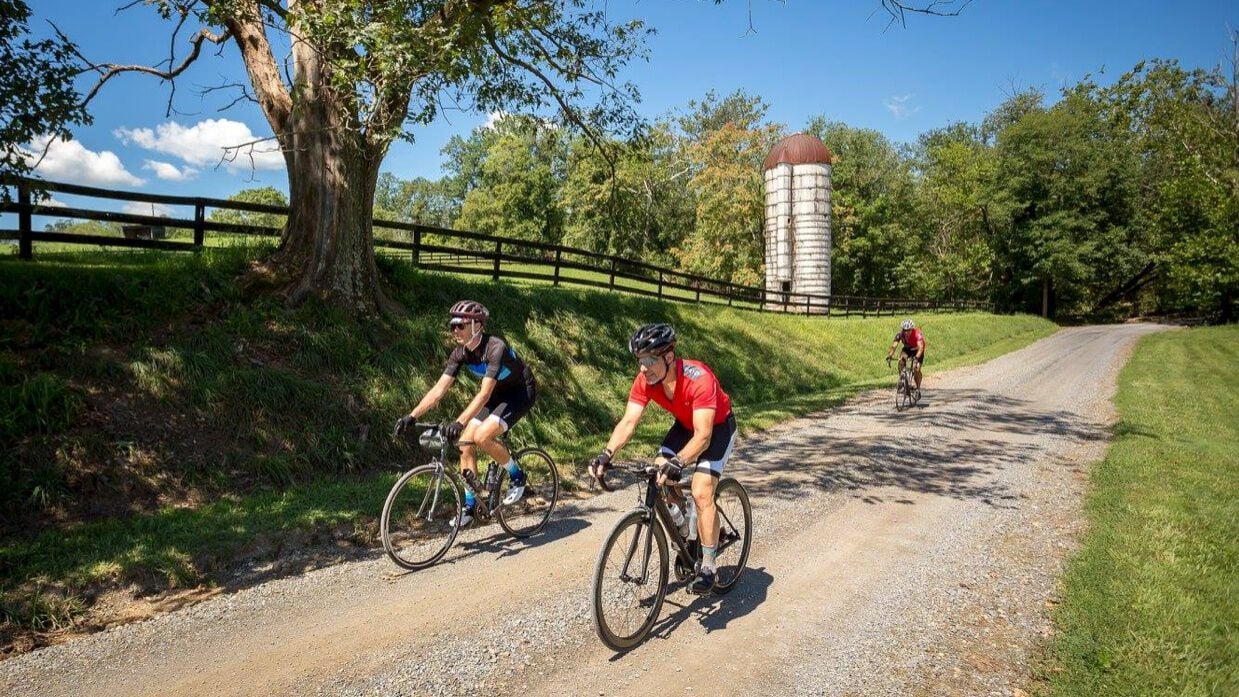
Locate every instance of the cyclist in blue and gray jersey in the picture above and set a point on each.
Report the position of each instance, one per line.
(507, 391)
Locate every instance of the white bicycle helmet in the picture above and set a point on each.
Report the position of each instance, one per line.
(907, 324)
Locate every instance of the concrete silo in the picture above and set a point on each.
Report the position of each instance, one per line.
(797, 176)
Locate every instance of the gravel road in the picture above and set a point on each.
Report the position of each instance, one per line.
(894, 553)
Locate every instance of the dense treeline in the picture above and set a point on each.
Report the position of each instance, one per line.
(1113, 200)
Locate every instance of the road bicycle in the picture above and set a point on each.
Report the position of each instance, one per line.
(631, 574)
(906, 391)
(422, 513)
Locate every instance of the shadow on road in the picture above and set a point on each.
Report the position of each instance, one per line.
(953, 443)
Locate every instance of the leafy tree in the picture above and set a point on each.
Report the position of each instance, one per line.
(954, 212)
(871, 185)
(726, 141)
(641, 209)
(267, 196)
(517, 194)
(37, 97)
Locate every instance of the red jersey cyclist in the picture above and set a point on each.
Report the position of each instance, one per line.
(913, 347)
(507, 391)
(700, 440)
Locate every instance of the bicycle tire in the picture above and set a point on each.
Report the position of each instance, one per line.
(531, 514)
(727, 571)
(899, 390)
(610, 590)
(413, 543)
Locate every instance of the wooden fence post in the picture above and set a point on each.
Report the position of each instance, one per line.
(612, 273)
(417, 247)
(558, 259)
(199, 224)
(498, 251)
(26, 244)
(660, 284)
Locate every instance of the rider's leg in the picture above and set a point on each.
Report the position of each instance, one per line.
(707, 515)
(917, 373)
(486, 435)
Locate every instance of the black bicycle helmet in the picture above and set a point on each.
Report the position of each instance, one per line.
(470, 309)
(652, 338)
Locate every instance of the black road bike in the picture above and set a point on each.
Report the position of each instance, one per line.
(906, 391)
(422, 513)
(630, 576)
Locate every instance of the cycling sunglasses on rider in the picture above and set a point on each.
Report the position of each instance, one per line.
(456, 323)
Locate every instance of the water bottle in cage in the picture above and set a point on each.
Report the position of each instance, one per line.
(677, 516)
(692, 518)
(492, 477)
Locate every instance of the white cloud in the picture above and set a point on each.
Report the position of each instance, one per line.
(139, 208)
(69, 161)
(493, 119)
(53, 203)
(899, 108)
(207, 143)
(170, 172)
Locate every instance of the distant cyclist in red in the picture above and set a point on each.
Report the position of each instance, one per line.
(700, 439)
(913, 347)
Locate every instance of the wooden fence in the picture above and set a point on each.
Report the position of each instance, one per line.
(443, 249)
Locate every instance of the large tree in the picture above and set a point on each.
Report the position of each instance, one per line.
(359, 72)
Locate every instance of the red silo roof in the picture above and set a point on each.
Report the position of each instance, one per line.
(798, 149)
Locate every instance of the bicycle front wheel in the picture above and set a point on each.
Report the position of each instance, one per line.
(417, 524)
(735, 534)
(531, 513)
(630, 581)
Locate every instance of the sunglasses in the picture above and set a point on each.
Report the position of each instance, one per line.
(453, 326)
(648, 361)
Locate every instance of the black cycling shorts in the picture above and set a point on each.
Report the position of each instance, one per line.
(717, 452)
(509, 406)
(910, 351)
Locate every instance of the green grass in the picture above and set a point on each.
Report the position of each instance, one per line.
(210, 417)
(1151, 603)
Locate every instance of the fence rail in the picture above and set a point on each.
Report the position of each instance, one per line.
(454, 251)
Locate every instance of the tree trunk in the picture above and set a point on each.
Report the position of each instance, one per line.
(327, 248)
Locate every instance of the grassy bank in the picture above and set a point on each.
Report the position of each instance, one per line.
(1150, 603)
(159, 422)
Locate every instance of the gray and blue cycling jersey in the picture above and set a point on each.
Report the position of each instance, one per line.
(492, 358)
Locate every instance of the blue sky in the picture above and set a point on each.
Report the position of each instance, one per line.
(837, 58)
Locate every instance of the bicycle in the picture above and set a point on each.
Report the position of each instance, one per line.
(629, 588)
(422, 512)
(906, 391)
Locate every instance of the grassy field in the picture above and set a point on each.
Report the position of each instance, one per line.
(159, 422)
(1151, 603)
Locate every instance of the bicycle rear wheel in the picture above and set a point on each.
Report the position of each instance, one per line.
(735, 517)
(416, 525)
(531, 513)
(630, 581)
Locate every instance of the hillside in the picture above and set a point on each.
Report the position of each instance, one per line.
(159, 422)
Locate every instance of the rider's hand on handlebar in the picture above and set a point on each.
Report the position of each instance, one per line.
(670, 471)
(453, 430)
(888, 361)
(405, 423)
(598, 467)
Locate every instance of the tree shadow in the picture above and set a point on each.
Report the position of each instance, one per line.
(987, 434)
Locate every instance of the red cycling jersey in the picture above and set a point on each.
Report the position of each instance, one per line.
(695, 388)
(910, 338)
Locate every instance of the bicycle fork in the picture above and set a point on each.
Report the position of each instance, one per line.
(433, 497)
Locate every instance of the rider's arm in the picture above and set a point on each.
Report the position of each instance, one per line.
(920, 348)
(626, 427)
(432, 397)
(703, 429)
(479, 401)
(894, 345)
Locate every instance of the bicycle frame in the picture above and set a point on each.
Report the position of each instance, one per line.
(654, 506)
(492, 502)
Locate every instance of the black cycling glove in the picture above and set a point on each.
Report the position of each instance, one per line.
(453, 430)
(672, 469)
(406, 422)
